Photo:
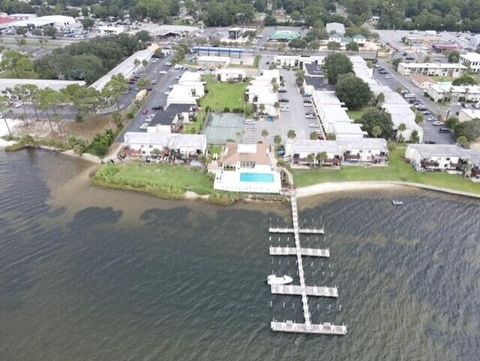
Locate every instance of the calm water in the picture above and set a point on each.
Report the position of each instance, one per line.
(89, 274)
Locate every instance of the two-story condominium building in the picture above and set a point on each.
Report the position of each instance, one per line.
(471, 60)
(432, 69)
(247, 168)
(301, 152)
(438, 157)
(364, 150)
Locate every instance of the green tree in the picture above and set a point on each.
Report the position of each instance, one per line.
(21, 93)
(374, 117)
(352, 46)
(291, 134)
(3, 113)
(353, 91)
(144, 83)
(298, 44)
(264, 133)
(19, 65)
(418, 117)
(277, 139)
(115, 88)
(85, 99)
(21, 30)
(331, 136)
(333, 45)
(464, 80)
(314, 135)
(463, 141)
(395, 62)
(87, 23)
(49, 99)
(310, 159)
(321, 158)
(402, 127)
(454, 56)
(376, 131)
(414, 138)
(337, 64)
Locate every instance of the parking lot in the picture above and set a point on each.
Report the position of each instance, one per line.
(431, 133)
(293, 119)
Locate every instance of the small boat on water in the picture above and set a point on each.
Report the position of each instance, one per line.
(274, 280)
(397, 203)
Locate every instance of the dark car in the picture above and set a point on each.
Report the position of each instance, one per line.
(145, 111)
(158, 107)
(444, 130)
(429, 142)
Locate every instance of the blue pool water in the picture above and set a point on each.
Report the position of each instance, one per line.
(256, 177)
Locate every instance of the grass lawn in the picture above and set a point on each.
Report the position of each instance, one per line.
(159, 179)
(398, 170)
(356, 114)
(219, 97)
(443, 78)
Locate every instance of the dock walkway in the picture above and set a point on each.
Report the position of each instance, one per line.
(302, 289)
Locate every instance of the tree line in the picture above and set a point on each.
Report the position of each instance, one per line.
(89, 60)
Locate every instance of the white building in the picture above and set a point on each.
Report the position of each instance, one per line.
(126, 67)
(297, 60)
(211, 61)
(436, 157)
(144, 144)
(299, 149)
(432, 69)
(364, 150)
(468, 114)
(338, 28)
(260, 91)
(180, 31)
(193, 81)
(442, 91)
(57, 21)
(230, 74)
(247, 168)
(471, 60)
(181, 95)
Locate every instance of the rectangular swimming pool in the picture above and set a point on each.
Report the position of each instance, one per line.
(256, 177)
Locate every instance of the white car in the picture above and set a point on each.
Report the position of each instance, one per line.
(144, 126)
(284, 109)
(314, 125)
(438, 123)
(162, 72)
(310, 116)
(249, 121)
(307, 104)
(167, 92)
(168, 63)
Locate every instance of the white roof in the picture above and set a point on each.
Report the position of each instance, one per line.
(363, 143)
(213, 59)
(181, 95)
(313, 146)
(163, 139)
(246, 148)
(190, 76)
(447, 88)
(473, 57)
(45, 20)
(41, 83)
(324, 97)
(345, 129)
(335, 27)
(472, 113)
(439, 150)
(230, 71)
(166, 29)
(433, 65)
(126, 67)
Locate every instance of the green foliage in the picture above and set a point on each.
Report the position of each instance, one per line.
(101, 143)
(18, 64)
(454, 56)
(352, 46)
(469, 130)
(464, 80)
(314, 135)
(298, 44)
(337, 64)
(88, 60)
(225, 13)
(373, 118)
(77, 144)
(353, 91)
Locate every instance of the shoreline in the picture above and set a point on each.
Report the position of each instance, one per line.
(333, 187)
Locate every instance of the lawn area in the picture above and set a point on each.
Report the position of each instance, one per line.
(219, 97)
(356, 114)
(443, 78)
(164, 180)
(398, 170)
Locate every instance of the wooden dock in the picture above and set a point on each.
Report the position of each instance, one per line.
(309, 290)
(303, 290)
(292, 251)
(321, 329)
(301, 231)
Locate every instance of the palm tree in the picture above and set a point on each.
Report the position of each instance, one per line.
(376, 131)
(277, 139)
(21, 93)
(3, 112)
(313, 135)
(33, 96)
(291, 134)
(310, 159)
(321, 158)
(264, 133)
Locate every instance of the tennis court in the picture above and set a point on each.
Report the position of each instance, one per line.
(224, 126)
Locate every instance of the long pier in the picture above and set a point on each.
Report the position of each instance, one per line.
(303, 290)
(292, 251)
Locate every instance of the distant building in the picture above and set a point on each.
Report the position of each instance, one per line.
(214, 51)
(234, 33)
(300, 149)
(177, 31)
(364, 150)
(442, 91)
(285, 35)
(211, 61)
(247, 168)
(338, 28)
(472, 61)
(432, 69)
(260, 92)
(230, 74)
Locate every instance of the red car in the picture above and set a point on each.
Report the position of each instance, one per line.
(145, 111)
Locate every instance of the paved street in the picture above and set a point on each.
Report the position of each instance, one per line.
(394, 81)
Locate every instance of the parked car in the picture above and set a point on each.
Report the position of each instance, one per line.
(444, 130)
(166, 92)
(310, 116)
(157, 107)
(314, 125)
(430, 142)
(283, 100)
(284, 109)
(307, 104)
(144, 126)
(145, 112)
(437, 123)
(168, 63)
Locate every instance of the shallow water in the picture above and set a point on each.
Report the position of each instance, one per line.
(91, 274)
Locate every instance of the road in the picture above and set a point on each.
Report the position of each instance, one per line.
(394, 81)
